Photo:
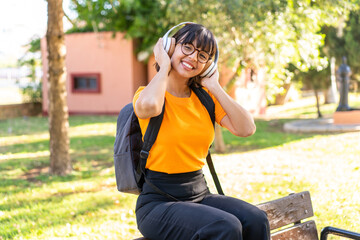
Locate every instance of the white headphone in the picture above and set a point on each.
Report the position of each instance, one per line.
(169, 46)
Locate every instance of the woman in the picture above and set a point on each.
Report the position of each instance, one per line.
(177, 156)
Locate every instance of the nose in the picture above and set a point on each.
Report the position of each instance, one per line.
(194, 55)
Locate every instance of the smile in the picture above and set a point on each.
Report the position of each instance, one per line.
(187, 65)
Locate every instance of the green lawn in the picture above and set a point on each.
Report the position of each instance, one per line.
(86, 204)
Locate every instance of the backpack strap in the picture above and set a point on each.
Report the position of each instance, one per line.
(213, 174)
(149, 140)
(152, 132)
(209, 104)
(206, 100)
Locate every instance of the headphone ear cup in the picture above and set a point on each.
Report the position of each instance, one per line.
(208, 69)
(169, 44)
(172, 47)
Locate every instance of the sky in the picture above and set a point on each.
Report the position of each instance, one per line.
(20, 21)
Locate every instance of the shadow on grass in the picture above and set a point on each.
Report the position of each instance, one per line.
(57, 210)
(33, 125)
(93, 144)
(38, 176)
(56, 197)
(90, 155)
(268, 134)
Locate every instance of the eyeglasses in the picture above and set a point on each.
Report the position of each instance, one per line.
(188, 49)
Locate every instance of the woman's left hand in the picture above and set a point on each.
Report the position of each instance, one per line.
(237, 119)
(212, 81)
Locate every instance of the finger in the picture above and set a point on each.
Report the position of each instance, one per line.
(159, 43)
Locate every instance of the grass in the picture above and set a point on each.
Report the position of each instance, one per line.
(86, 205)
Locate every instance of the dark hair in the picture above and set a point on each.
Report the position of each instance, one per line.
(204, 40)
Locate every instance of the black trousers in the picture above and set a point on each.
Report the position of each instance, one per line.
(205, 216)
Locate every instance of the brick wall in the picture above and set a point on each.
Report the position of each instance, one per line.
(19, 110)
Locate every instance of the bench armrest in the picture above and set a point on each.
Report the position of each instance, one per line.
(339, 232)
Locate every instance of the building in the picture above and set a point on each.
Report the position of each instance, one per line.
(103, 75)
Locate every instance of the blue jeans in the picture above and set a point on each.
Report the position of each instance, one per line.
(210, 216)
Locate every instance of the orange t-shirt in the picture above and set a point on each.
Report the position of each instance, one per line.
(185, 135)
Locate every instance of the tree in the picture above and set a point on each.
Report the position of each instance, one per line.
(251, 34)
(316, 79)
(341, 39)
(60, 163)
(32, 91)
(344, 40)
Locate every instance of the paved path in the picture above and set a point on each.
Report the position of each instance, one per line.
(322, 125)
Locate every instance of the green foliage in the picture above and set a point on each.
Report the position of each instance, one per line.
(32, 91)
(252, 34)
(344, 40)
(141, 20)
(352, 43)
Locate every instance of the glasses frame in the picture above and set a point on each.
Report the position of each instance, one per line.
(198, 52)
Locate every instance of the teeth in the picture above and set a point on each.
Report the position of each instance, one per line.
(187, 65)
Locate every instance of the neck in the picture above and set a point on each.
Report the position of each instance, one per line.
(177, 86)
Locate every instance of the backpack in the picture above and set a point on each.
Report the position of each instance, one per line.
(130, 152)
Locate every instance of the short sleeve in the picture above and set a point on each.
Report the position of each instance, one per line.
(219, 111)
(143, 122)
(136, 96)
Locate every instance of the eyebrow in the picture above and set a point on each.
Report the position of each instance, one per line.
(206, 42)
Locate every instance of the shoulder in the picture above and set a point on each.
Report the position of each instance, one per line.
(137, 93)
(210, 94)
(139, 89)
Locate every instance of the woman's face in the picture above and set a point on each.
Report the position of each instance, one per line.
(187, 66)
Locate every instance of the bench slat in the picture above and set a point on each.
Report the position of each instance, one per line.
(301, 231)
(287, 210)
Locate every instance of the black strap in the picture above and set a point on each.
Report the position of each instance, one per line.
(209, 104)
(152, 132)
(213, 174)
(149, 140)
(206, 100)
(158, 190)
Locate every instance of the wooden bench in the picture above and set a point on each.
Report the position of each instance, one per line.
(292, 209)
(288, 218)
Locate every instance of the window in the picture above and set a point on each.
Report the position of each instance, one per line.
(86, 83)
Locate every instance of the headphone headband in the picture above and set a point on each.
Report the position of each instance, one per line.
(183, 23)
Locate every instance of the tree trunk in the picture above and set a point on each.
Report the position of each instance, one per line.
(317, 103)
(281, 99)
(225, 78)
(219, 140)
(331, 93)
(60, 163)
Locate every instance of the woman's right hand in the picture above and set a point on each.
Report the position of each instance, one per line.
(151, 100)
(161, 56)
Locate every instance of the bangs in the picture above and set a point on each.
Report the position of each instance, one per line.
(196, 33)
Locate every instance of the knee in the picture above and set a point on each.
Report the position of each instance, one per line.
(225, 228)
(258, 220)
(232, 227)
